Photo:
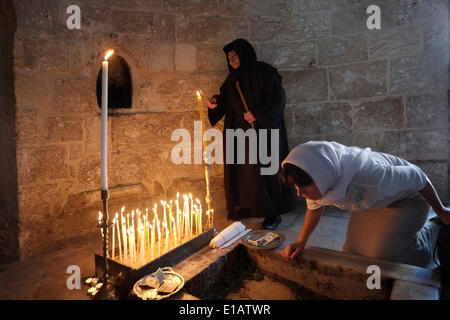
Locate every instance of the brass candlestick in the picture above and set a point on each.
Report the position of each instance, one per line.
(107, 290)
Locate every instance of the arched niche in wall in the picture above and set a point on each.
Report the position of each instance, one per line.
(120, 90)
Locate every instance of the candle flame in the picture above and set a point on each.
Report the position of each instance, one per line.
(108, 54)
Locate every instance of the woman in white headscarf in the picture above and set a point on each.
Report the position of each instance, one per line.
(388, 197)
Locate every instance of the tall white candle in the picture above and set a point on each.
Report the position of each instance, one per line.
(200, 217)
(174, 229)
(192, 214)
(141, 247)
(118, 237)
(152, 231)
(167, 239)
(179, 225)
(113, 240)
(104, 139)
(125, 239)
(130, 242)
(159, 236)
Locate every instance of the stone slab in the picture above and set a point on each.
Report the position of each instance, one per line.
(305, 85)
(289, 55)
(323, 118)
(294, 28)
(358, 80)
(340, 50)
(404, 290)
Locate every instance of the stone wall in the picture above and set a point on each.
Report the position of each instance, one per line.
(8, 181)
(384, 89)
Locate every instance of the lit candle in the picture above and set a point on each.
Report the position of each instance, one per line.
(128, 221)
(152, 232)
(130, 241)
(167, 239)
(175, 240)
(141, 247)
(125, 239)
(104, 138)
(192, 214)
(113, 238)
(153, 238)
(118, 236)
(170, 216)
(163, 203)
(100, 221)
(186, 216)
(146, 229)
(200, 106)
(133, 242)
(178, 215)
(200, 216)
(132, 221)
(207, 219)
(197, 220)
(159, 235)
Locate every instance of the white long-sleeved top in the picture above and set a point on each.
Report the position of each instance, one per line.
(383, 180)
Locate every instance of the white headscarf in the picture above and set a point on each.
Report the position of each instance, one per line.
(330, 164)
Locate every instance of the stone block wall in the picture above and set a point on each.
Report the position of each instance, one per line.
(386, 89)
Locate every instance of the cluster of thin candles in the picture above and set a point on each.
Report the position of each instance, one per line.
(142, 238)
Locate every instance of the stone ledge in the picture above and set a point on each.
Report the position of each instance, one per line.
(404, 290)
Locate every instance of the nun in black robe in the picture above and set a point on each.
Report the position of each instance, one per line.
(248, 193)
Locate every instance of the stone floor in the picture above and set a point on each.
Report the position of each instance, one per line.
(44, 277)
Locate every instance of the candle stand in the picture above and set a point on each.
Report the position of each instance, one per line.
(107, 291)
(128, 275)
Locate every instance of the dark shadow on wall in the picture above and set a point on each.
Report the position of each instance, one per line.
(9, 226)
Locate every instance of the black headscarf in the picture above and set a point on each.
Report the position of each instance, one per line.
(247, 74)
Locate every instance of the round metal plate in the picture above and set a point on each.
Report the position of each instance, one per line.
(153, 294)
(256, 234)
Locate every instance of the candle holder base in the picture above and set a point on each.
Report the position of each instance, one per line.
(107, 292)
(128, 275)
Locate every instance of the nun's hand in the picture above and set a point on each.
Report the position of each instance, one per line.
(249, 117)
(212, 103)
(293, 250)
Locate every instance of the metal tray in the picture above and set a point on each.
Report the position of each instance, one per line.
(256, 234)
(153, 294)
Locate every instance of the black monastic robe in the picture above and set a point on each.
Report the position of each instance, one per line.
(248, 193)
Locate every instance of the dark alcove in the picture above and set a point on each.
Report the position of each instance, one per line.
(119, 84)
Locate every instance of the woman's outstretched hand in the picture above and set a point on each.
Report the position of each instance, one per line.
(444, 215)
(293, 250)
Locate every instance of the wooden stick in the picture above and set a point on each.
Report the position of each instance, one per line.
(243, 101)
